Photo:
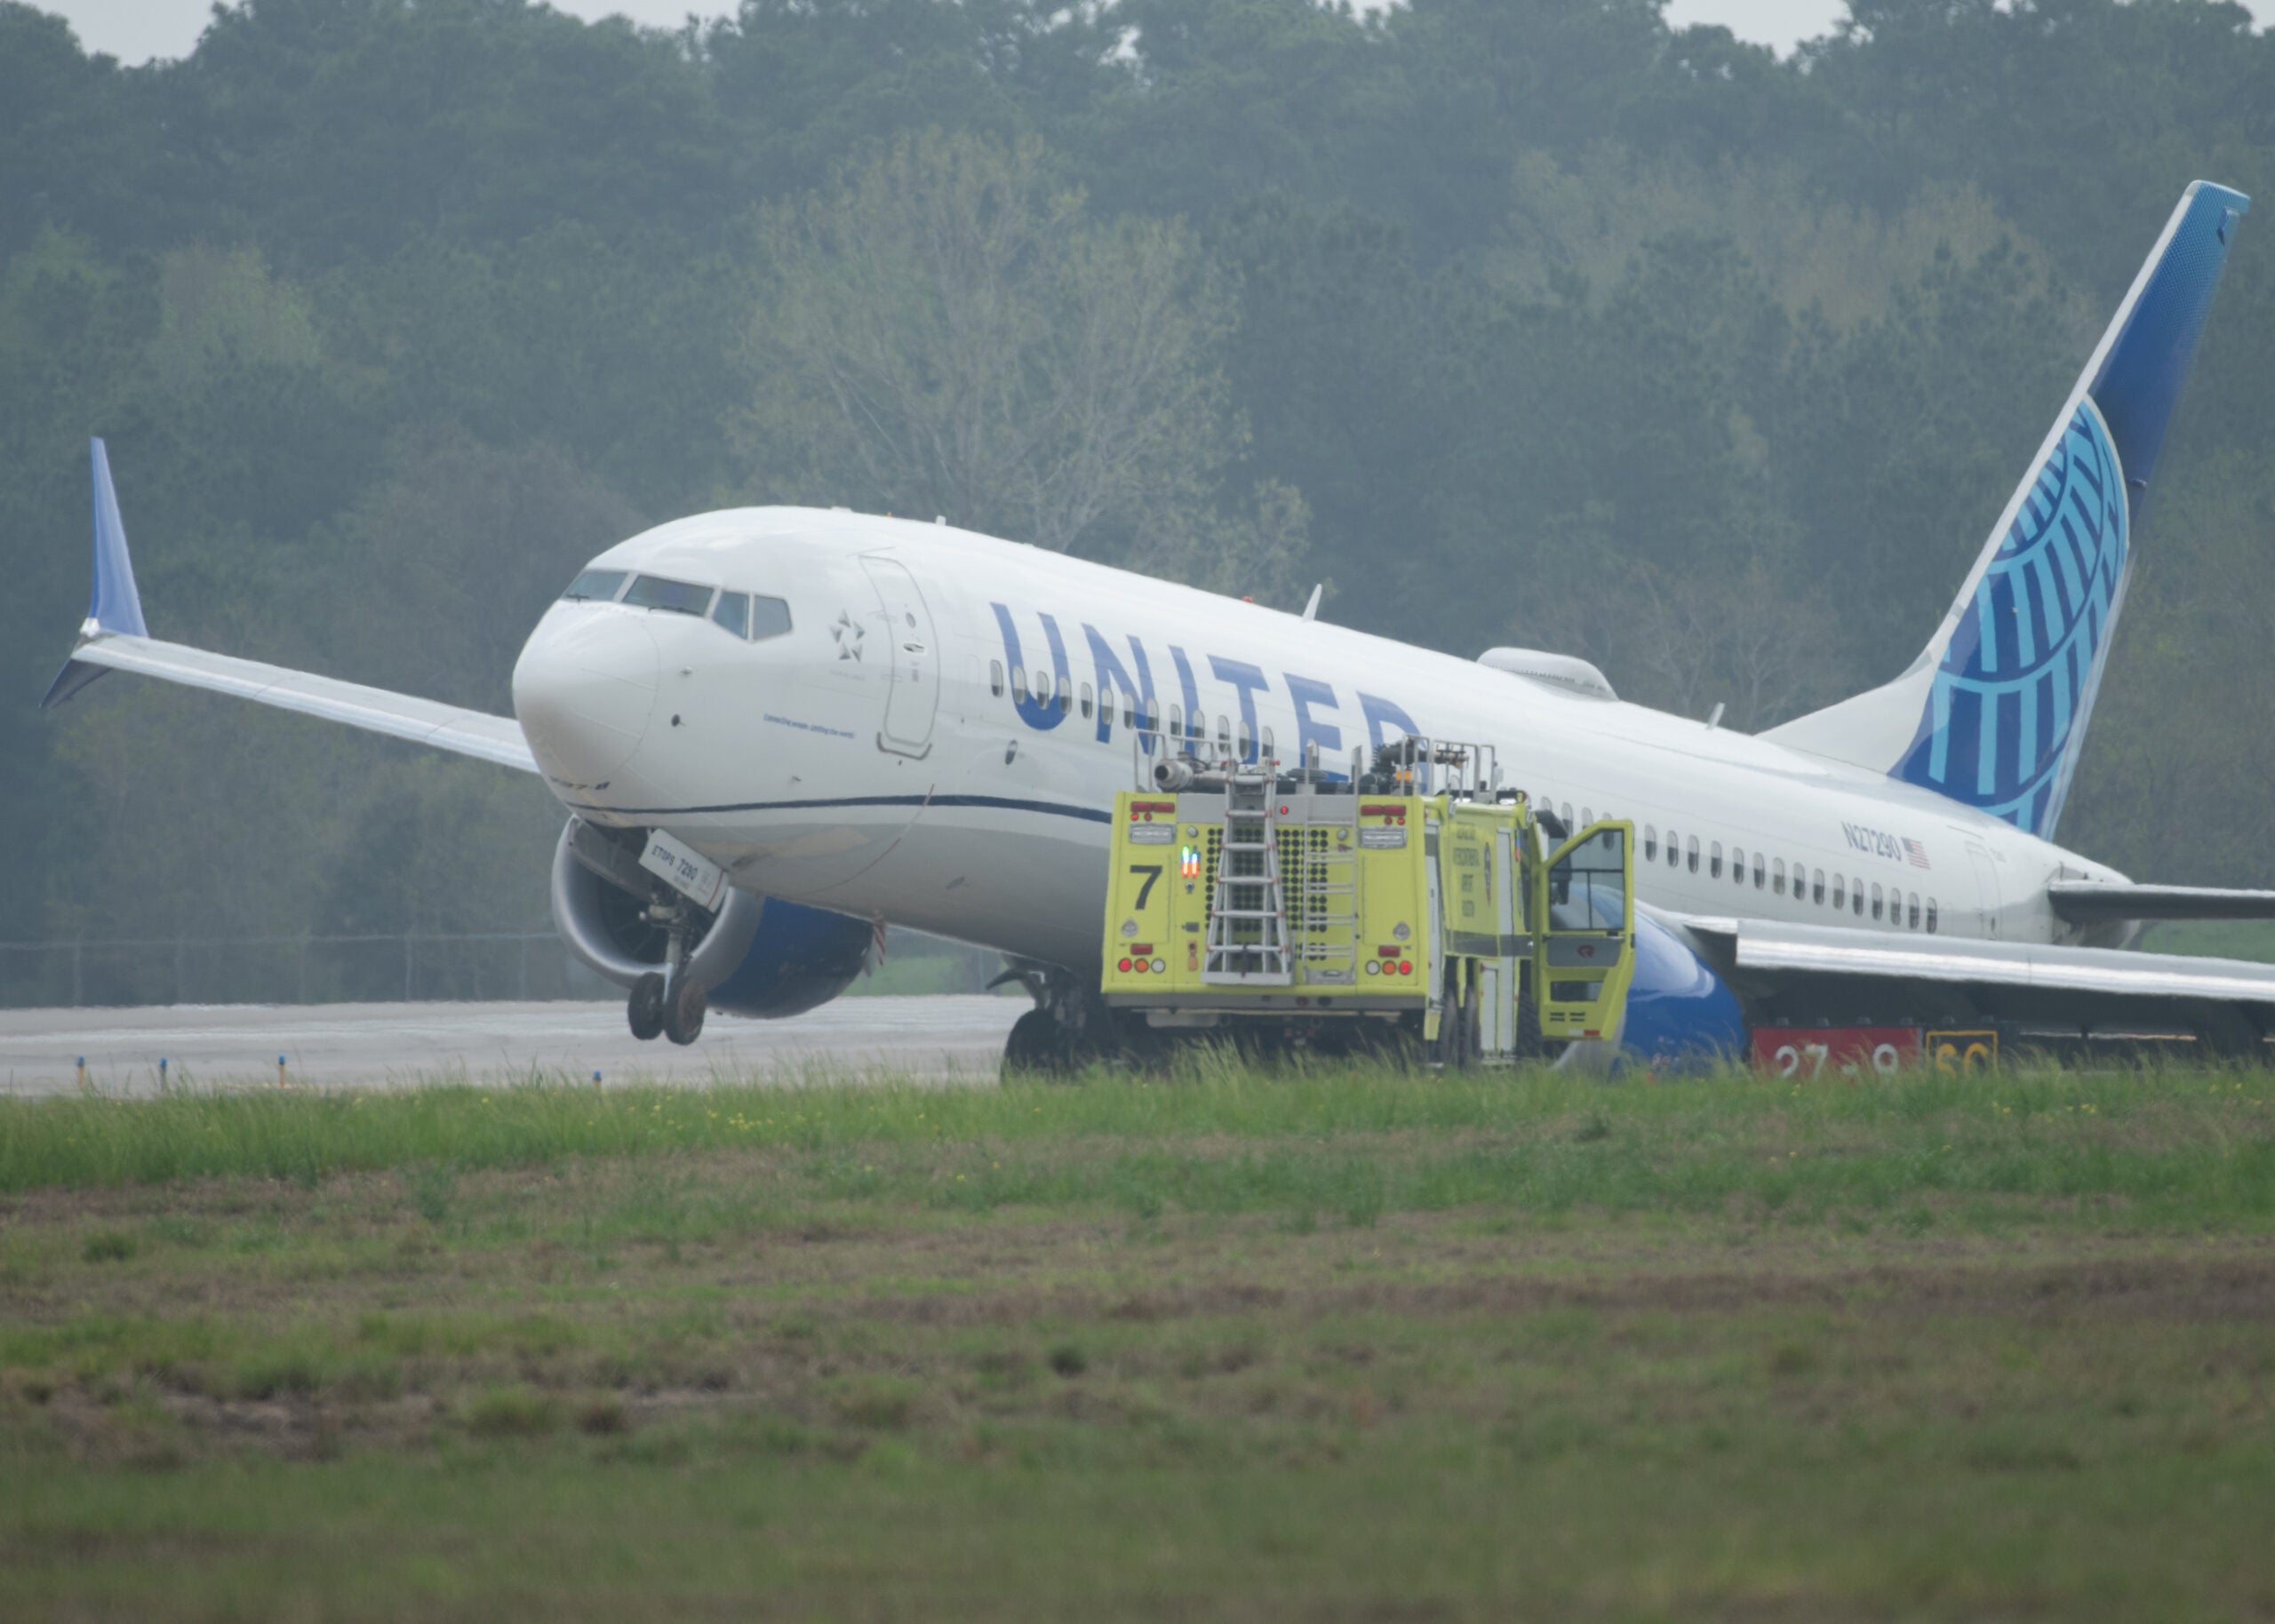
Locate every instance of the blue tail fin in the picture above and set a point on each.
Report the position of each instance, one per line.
(1994, 712)
(115, 605)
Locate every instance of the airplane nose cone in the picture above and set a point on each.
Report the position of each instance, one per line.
(583, 690)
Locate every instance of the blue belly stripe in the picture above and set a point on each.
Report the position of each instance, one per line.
(1002, 803)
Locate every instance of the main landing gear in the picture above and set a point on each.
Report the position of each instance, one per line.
(668, 1002)
(1070, 1026)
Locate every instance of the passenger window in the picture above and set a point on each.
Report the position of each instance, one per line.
(732, 612)
(1086, 702)
(1931, 916)
(1777, 878)
(995, 678)
(676, 597)
(1650, 842)
(1856, 899)
(1177, 722)
(1019, 684)
(1674, 849)
(1911, 910)
(1737, 864)
(1840, 893)
(769, 617)
(1714, 861)
(1587, 816)
(1759, 877)
(1816, 887)
(600, 585)
(1690, 854)
(1247, 743)
(1876, 899)
(1223, 735)
(1129, 710)
(1065, 698)
(1572, 828)
(1268, 744)
(1043, 688)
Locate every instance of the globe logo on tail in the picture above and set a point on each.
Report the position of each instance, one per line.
(2016, 682)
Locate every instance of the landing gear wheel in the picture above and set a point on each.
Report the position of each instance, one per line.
(645, 1010)
(683, 1013)
(1036, 1047)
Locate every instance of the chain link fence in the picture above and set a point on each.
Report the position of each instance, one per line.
(311, 969)
(469, 967)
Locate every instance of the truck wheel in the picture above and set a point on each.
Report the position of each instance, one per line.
(1456, 1040)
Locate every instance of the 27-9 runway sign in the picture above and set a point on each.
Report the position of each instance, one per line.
(1806, 1053)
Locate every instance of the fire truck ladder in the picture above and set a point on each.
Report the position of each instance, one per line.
(1327, 911)
(1248, 915)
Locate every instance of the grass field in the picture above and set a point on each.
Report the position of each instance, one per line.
(1335, 1346)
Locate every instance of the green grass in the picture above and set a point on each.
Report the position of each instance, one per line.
(2252, 939)
(2177, 1146)
(1339, 1345)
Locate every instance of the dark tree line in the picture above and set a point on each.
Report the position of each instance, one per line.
(1514, 320)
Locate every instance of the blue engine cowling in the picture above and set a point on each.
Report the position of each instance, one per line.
(1681, 1013)
(759, 956)
(798, 959)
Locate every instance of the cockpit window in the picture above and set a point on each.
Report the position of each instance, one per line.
(769, 617)
(732, 612)
(680, 597)
(601, 584)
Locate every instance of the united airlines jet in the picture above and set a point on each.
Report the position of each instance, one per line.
(774, 729)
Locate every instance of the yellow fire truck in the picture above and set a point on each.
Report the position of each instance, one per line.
(1418, 898)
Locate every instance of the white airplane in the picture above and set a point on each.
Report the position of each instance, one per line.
(815, 722)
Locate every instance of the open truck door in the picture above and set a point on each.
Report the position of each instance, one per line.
(1584, 941)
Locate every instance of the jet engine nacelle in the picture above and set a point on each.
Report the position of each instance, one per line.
(1682, 1015)
(756, 956)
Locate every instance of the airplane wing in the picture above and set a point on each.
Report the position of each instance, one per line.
(2085, 902)
(115, 638)
(2077, 989)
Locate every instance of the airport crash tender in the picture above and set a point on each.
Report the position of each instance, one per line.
(1418, 895)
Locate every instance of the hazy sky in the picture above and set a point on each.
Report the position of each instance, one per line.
(136, 30)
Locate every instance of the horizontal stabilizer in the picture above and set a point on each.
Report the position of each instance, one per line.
(2086, 901)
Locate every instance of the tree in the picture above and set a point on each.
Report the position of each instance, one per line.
(948, 333)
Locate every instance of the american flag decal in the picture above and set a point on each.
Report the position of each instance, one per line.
(1918, 854)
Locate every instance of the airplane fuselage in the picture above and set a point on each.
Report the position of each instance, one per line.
(929, 743)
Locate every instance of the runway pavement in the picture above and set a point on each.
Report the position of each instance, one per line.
(931, 1039)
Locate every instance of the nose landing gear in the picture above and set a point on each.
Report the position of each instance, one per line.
(668, 1002)
(645, 1010)
(683, 1012)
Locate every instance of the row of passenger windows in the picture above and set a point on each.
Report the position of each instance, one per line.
(1232, 737)
(1903, 910)
(746, 615)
